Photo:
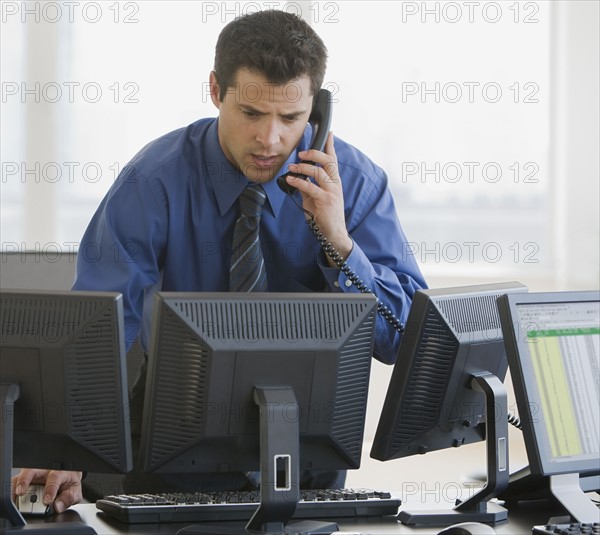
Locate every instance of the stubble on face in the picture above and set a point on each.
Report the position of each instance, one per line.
(260, 123)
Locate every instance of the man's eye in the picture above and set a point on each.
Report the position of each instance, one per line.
(250, 114)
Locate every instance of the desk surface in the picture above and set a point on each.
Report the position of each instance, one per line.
(521, 519)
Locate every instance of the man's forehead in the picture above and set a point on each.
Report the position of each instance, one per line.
(250, 87)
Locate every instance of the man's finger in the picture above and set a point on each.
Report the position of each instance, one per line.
(25, 477)
(69, 496)
(63, 488)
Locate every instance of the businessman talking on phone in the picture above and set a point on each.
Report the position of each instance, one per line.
(169, 221)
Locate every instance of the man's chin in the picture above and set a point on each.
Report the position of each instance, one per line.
(260, 176)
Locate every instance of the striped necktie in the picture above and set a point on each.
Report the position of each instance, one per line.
(247, 272)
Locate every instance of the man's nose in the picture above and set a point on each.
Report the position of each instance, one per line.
(268, 133)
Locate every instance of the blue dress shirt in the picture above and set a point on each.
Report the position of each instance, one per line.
(167, 224)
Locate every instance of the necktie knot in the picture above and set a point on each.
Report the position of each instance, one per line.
(252, 200)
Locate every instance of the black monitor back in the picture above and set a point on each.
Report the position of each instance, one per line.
(451, 334)
(66, 352)
(209, 351)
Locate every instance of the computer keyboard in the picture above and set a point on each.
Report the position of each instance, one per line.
(575, 528)
(186, 507)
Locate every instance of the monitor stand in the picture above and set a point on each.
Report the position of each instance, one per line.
(478, 508)
(11, 520)
(279, 472)
(565, 489)
(525, 486)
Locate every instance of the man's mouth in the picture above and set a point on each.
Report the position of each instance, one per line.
(264, 162)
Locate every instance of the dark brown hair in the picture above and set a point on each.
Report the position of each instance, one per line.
(278, 45)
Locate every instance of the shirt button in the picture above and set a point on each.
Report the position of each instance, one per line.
(348, 283)
(336, 284)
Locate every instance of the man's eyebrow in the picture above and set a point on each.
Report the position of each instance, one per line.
(292, 115)
(247, 107)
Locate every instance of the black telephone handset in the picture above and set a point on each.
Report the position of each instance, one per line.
(320, 119)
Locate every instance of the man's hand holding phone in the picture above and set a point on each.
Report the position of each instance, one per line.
(324, 198)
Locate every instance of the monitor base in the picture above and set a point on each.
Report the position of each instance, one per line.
(304, 527)
(493, 514)
(525, 486)
(54, 528)
(566, 490)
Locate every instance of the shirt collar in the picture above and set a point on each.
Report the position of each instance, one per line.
(228, 182)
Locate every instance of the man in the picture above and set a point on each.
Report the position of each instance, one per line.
(168, 221)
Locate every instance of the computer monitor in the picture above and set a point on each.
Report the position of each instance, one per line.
(446, 391)
(63, 390)
(553, 346)
(242, 381)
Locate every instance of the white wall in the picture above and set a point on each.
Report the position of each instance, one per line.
(576, 142)
(546, 231)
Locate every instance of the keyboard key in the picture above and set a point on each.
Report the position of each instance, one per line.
(574, 528)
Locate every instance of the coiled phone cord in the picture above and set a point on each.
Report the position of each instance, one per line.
(514, 420)
(332, 253)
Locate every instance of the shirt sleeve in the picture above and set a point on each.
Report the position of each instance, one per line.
(382, 259)
(121, 248)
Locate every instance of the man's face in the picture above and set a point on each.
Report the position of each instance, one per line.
(260, 124)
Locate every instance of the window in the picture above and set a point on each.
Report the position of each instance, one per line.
(452, 99)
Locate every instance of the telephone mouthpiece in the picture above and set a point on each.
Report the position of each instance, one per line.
(284, 186)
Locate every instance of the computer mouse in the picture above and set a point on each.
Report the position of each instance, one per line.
(31, 502)
(468, 528)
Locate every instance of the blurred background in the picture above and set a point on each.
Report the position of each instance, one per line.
(484, 115)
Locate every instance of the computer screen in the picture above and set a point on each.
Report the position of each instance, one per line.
(64, 386)
(448, 376)
(553, 346)
(242, 381)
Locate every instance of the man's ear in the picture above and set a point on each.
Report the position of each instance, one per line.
(215, 89)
